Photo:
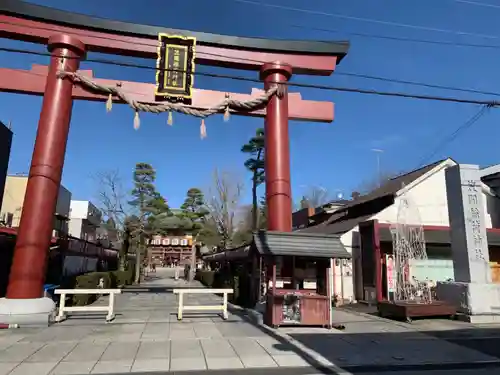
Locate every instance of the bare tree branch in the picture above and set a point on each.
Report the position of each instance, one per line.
(317, 196)
(375, 182)
(223, 203)
(112, 198)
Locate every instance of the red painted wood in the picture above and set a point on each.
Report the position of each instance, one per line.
(27, 273)
(378, 260)
(33, 82)
(277, 157)
(96, 41)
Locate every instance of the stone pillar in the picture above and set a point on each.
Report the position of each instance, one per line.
(466, 210)
(472, 293)
(27, 275)
(277, 158)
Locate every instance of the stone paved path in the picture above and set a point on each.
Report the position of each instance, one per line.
(146, 337)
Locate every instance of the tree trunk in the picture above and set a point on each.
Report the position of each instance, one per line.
(138, 260)
(122, 255)
(255, 213)
(255, 202)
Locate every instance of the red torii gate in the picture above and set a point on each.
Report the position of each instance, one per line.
(72, 35)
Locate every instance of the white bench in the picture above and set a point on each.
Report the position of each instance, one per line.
(63, 309)
(222, 307)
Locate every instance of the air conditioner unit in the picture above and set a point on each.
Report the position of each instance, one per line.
(175, 241)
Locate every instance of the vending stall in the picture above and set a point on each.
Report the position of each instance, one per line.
(299, 276)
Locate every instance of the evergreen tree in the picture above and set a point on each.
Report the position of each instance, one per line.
(194, 209)
(145, 197)
(255, 164)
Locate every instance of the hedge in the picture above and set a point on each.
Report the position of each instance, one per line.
(206, 278)
(111, 279)
(218, 279)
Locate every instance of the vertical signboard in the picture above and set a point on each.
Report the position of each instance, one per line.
(175, 67)
(391, 276)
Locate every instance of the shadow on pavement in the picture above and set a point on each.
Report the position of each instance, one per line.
(407, 350)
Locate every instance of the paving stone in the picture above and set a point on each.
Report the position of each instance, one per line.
(112, 367)
(217, 348)
(19, 351)
(84, 352)
(177, 333)
(186, 364)
(206, 330)
(185, 349)
(118, 351)
(6, 367)
(39, 368)
(290, 361)
(260, 361)
(153, 350)
(156, 331)
(76, 368)
(53, 352)
(220, 363)
(275, 347)
(247, 347)
(146, 365)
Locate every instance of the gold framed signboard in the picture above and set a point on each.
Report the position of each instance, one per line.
(175, 64)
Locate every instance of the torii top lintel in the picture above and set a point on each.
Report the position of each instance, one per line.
(34, 23)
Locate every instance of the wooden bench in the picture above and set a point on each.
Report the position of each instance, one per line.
(109, 308)
(222, 307)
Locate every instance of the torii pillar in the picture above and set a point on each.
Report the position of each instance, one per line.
(277, 150)
(24, 302)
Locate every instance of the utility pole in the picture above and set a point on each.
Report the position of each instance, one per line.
(379, 172)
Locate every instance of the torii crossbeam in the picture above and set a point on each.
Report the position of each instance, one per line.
(71, 36)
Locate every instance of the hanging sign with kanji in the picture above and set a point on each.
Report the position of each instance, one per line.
(175, 67)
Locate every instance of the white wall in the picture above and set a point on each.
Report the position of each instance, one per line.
(75, 227)
(429, 197)
(84, 220)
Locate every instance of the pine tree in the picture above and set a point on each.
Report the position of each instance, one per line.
(194, 209)
(144, 197)
(255, 164)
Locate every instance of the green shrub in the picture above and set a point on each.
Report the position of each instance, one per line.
(122, 278)
(91, 281)
(206, 277)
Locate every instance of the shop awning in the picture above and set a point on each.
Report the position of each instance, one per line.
(300, 244)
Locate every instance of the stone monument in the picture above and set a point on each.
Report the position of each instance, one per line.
(472, 291)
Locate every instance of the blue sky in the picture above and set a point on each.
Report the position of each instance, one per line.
(336, 156)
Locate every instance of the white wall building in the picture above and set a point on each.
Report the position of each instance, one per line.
(85, 218)
(426, 188)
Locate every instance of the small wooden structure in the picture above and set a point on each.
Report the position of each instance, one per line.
(407, 310)
(292, 272)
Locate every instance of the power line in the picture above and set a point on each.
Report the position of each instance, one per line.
(477, 3)
(422, 84)
(338, 73)
(400, 39)
(491, 103)
(391, 80)
(364, 19)
(452, 136)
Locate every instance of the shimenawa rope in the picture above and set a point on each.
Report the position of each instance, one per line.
(223, 107)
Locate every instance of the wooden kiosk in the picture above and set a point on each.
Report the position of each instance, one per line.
(292, 271)
(299, 276)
